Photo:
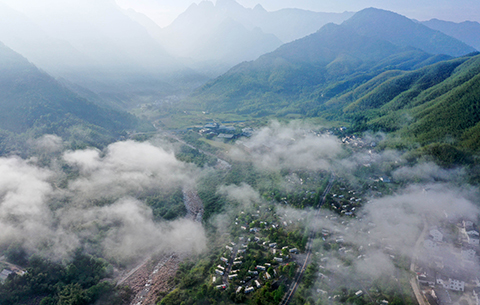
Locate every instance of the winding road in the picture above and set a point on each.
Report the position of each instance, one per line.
(308, 249)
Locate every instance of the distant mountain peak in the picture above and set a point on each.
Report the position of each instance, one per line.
(405, 32)
(228, 4)
(204, 5)
(259, 8)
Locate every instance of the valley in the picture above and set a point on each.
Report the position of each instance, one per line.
(239, 154)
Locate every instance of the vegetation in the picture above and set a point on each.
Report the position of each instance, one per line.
(34, 104)
(82, 281)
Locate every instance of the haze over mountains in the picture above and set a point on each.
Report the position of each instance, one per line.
(131, 154)
(98, 45)
(33, 104)
(351, 52)
(467, 31)
(116, 57)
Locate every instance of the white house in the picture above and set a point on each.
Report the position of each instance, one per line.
(436, 234)
(473, 239)
(450, 283)
(429, 244)
(468, 253)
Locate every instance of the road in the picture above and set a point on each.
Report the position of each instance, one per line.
(413, 281)
(308, 248)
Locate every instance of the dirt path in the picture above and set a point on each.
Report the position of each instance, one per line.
(148, 282)
(193, 203)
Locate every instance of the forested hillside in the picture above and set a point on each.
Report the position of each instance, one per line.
(438, 103)
(33, 103)
(296, 77)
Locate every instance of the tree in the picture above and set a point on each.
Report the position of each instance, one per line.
(73, 294)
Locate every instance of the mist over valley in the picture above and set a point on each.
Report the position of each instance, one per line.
(232, 152)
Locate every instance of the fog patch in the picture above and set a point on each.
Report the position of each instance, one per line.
(129, 231)
(97, 210)
(127, 168)
(428, 172)
(48, 144)
(293, 146)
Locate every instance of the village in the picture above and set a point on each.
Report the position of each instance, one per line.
(447, 266)
(262, 253)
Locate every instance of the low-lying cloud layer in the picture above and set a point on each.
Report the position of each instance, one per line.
(52, 220)
(291, 146)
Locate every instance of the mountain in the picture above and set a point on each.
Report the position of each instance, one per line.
(402, 31)
(286, 24)
(291, 24)
(224, 34)
(33, 103)
(28, 38)
(95, 45)
(430, 104)
(204, 33)
(467, 32)
(300, 76)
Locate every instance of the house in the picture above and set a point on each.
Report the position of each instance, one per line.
(267, 276)
(258, 284)
(473, 239)
(221, 287)
(442, 295)
(385, 179)
(249, 289)
(4, 274)
(273, 245)
(229, 248)
(219, 272)
(467, 225)
(278, 259)
(294, 250)
(223, 259)
(239, 289)
(226, 128)
(451, 282)
(468, 253)
(226, 136)
(253, 272)
(429, 244)
(232, 276)
(436, 234)
(221, 268)
(359, 293)
(261, 268)
(427, 277)
(211, 126)
(476, 294)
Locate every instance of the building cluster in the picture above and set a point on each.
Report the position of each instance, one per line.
(235, 267)
(452, 266)
(11, 270)
(224, 131)
(354, 141)
(345, 203)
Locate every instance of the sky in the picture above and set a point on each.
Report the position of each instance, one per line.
(163, 12)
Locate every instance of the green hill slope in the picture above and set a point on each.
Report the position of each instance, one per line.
(296, 77)
(33, 103)
(435, 104)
